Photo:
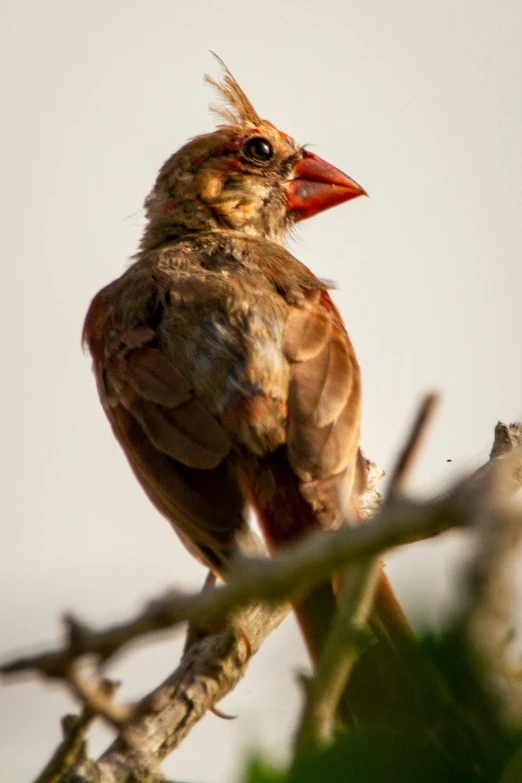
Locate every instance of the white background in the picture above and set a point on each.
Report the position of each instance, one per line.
(419, 102)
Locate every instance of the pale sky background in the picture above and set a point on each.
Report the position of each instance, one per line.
(422, 104)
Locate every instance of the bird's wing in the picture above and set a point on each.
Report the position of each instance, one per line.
(320, 463)
(324, 407)
(314, 482)
(176, 448)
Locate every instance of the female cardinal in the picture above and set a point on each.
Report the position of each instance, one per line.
(223, 366)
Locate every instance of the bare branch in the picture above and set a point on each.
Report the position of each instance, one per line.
(96, 697)
(211, 667)
(506, 457)
(507, 438)
(72, 750)
(286, 575)
(166, 612)
(490, 618)
(348, 635)
(411, 448)
(347, 638)
(208, 671)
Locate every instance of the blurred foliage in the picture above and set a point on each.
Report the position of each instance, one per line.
(465, 742)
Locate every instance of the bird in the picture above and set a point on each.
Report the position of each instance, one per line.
(225, 369)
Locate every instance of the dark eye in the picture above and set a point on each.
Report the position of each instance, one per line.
(259, 149)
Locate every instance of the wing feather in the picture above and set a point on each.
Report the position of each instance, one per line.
(206, 508)
(155, 392)
(324, 398)
(178, 450)
(306, 333)
(321, 385)
(154, 378)
(188, 433)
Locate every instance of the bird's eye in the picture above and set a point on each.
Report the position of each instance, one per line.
(259, 149)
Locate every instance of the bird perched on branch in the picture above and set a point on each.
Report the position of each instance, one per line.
(222, 364)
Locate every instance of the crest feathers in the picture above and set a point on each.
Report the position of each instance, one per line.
(236, 108)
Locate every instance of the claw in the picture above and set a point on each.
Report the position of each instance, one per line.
(223, 715)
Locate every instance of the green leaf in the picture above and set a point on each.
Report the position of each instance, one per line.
(513, 770)
(376, 755)
(260, 771)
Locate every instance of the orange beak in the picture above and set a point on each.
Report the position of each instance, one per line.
(317, 185)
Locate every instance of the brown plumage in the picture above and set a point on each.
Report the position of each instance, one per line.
(222, 364)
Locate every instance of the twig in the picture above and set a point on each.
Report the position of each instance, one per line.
(96, 698)
(348, 635)
(213, 666)
(208, 671)
(344, 644)
(400, 474)
(507, 438)
(71, 750)
(490, 616)
(160, 614)
(505, 456)
(287, 574)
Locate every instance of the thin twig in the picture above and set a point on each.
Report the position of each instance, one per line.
(347, 638)
(71, 750)
(401, 472)
(490, 617)
(96, 698)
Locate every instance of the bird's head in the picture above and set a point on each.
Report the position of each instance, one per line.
(246, 176)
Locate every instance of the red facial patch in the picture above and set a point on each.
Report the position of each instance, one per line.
(227, 146)
(222, 149)
(196, 163)
(168, 206)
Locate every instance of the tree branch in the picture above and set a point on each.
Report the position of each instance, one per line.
(72, 750)
(407, 456)
(348, 635)
(346, 640)
(211, 667)
(284, 576)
